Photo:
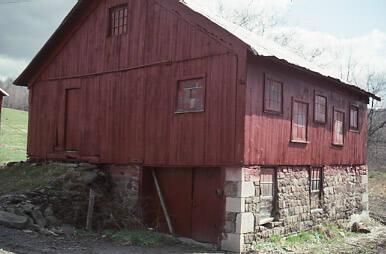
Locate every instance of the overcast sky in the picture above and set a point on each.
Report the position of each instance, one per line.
(357, 25)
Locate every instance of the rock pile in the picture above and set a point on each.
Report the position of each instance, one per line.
(64, 201)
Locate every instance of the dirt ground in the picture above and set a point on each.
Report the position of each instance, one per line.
(19, 242)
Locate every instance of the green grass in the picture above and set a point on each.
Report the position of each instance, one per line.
(23, 176)
(313, 239)
(373, 174)
(142, 238)
(13, 135)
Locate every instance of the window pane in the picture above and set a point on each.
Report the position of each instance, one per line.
(338, 128)
(315, 178)
(354, 117)
(320, 109)
(191, 95)
(118, 20)
(267, 182)
(273, 96)
(299, 121)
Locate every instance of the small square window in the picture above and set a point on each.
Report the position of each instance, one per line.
(273, 96)
(267, 193)
(316, 187)
(315, 183)
(118, 20)
(191, 96)
(354, 118)
(299, 121)
(338, 128)
(320, 109)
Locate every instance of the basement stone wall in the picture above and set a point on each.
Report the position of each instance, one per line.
(344, 193)
(125, 191)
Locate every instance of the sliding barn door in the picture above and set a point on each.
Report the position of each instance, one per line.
(72, 120)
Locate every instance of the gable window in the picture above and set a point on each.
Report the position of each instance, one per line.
(118, 20)
(273, 96)
(299, 121)
(267, 194)
(320, 109)
(354, 118)
(338, 128)
(316, 186)
(191, 96)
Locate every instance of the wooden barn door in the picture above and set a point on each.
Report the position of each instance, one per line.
(208, 204)
(193, 198)
(72, 120)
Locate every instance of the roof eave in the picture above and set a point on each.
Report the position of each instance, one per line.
(4, 93)
(25, 77)
(319, 75)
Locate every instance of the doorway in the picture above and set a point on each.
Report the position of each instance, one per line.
(72, 120)
(194, 200)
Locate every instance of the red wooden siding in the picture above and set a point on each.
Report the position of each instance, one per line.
(268, 137)
(128, 91)
(193, 198)
(72, 120)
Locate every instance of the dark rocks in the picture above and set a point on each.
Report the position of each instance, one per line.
(13, 220)
(48, 211)
(360, 228)
(65, 200)
(38, 218)
(53, 221)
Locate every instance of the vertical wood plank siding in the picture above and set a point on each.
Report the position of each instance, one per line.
(128, 89)
(267, 136)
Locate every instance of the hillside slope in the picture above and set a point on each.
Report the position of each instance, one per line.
(13, 135)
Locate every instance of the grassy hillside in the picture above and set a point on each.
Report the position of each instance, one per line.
(13, 135)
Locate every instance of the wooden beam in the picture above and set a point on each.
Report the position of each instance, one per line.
(163, 204)
(90, 211)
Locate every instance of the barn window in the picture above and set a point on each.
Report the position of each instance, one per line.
(338, 128)
(191, 96)
(118, 20)
(267, 194)
(320, 109)
(316, 186)
(273, 96)
(315, 174)
(299, 121)
(354, 118)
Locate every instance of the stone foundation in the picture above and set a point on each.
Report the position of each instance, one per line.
(295, 208)
(126, 179)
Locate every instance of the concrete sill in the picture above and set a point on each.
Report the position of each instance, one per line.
(265, 221)
(317, 210)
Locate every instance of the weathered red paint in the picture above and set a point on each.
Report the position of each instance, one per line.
(268, 136)
(128, 90)
(194, 200)
(128, 87)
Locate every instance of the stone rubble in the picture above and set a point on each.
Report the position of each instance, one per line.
(63, 202)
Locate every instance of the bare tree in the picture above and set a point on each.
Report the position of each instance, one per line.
(376, 84)
(257, 20)
(18, 96)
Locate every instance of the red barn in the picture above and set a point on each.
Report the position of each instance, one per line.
(2, 94)
(246, 139)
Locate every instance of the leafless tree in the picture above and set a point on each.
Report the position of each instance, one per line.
(18, 96)
(376, 83)
(257, 20)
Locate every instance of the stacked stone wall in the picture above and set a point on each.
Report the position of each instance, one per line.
(343, 193)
